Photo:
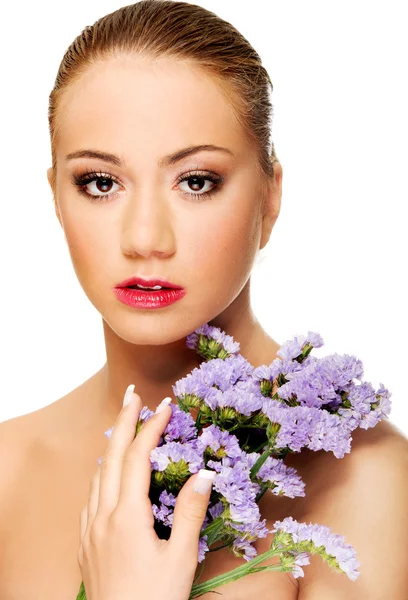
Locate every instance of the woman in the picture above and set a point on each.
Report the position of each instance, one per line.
(163, 174)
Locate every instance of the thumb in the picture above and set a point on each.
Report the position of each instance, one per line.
(189, 513)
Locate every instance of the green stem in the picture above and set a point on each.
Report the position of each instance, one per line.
(200, 573)
(261, 460)
(81, 593)
(264, 488)
(219, 547)
(241, 571)
(259, 448)
(212, 530)
(198, 421)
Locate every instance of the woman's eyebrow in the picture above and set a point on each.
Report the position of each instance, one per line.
(166, 161)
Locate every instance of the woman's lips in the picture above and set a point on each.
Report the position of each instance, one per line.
(152, 282)
(137, 298)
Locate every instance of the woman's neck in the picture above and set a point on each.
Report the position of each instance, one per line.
(154, 369)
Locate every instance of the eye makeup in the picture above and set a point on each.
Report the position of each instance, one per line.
(103, 179)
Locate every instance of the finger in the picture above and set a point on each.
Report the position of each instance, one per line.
(93, 498)
(136, 471)
(83, 520)
(189, 513)
(112, 461)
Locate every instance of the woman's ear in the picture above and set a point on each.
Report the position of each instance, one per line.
(271, 204)
(51, 181)
(50, 177)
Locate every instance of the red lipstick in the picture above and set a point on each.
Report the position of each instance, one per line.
(137, 297)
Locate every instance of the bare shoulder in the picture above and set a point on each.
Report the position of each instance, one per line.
(15, 435)
(385, 432)
(362, 497)
(20, 438)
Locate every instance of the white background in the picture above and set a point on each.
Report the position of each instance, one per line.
(336, 262)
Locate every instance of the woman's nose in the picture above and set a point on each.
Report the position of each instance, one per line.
(147, 226)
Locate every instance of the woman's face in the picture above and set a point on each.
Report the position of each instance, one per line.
(138, 218)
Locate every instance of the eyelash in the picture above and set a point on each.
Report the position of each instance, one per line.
(82, 180)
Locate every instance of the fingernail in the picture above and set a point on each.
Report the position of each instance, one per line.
(128, 394)
(165, 402)
(204, 481)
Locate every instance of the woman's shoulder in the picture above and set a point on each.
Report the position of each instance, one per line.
(15, 435)
(384, 433)
(19, 432)
(378, 452)
(363, 497)
(21, 436)
(375, 469)
(46, 426)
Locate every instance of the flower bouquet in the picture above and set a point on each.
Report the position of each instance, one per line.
(246, 421)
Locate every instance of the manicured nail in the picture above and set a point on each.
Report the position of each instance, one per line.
(128, 394)
(165, 402)
(204, 481)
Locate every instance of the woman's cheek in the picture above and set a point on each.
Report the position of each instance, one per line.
(88, 245)
(225, 248)
(80, 241)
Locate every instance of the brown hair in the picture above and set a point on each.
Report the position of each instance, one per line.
(187, 31)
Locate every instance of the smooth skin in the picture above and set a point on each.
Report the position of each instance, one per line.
(119, 549)
(146, 223)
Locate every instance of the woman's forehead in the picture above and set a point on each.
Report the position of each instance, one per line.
(138, 100)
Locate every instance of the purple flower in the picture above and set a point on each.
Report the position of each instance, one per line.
(216, 510)
(108, 433)
(367, 407)
(235, 486)
(213, 333)
(301, 426)
(181, 427)
(241, 398)
(277, 367)
(283, 480)
(218, 443)
(242, 548)
(163, 513)
(173, 452)
(320, 381)
(300, 559)
(192, 386)
(167, 498)
(202, 548)
(225, 373)
(145, 414)
(250, 531)
(335, 545)
(293, 348)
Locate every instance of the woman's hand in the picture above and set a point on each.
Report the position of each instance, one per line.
(120, 556)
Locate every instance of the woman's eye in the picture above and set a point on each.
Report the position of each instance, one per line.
(98, 187)
(200, 184)
(101, 186)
